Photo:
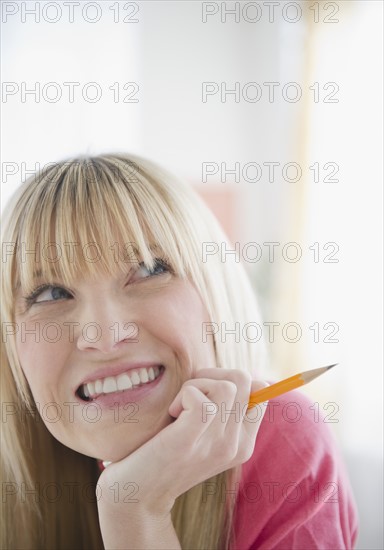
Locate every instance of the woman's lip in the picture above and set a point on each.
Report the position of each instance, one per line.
(120, 398)
(115, 371)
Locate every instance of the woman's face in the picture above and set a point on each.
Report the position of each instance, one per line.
(127, 341)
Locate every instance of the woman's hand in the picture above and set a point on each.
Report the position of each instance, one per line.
(212, 432)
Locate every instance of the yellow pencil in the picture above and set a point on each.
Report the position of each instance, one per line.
(285, 386)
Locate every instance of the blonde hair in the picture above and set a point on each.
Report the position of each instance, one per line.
(57, 215)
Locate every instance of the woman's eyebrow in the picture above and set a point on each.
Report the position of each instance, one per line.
(36, 276)
(156, 248)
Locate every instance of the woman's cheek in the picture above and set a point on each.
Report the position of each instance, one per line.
(41, 361)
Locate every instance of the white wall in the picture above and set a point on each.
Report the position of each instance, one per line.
(36, 52)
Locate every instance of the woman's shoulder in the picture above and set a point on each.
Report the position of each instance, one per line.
(296, 442)
(300, 427)
(294, 491)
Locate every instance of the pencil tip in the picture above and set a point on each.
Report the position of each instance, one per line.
(331, 366)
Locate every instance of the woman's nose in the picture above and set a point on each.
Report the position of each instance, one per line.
(104, 326)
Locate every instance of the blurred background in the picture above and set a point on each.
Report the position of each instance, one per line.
(273, 111)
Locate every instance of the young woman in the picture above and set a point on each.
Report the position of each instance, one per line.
(124, 395)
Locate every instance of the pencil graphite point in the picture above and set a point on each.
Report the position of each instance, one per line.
(309, 375)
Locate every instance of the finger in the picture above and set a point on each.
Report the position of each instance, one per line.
(232, 412)
(248, 428)
(244, 429)
(249, 432)
(188, 407)
(253, 413)
(252, 422)
(242, 379)
(213, 392)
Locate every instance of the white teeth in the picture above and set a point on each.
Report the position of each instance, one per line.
(109, 385)
(143, 376)
(135, 378)
(125, 381)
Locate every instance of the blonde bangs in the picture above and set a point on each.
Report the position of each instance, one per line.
(83, 218)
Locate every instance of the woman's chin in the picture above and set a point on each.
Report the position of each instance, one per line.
(118, 448)
(111, 442)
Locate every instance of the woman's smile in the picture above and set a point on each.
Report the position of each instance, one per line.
(126, 377)
(130, 386)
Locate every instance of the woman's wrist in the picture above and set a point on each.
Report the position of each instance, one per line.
(140, 498)
(128, 520)
(136, 529)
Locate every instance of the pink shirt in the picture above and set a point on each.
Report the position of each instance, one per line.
(294, 492)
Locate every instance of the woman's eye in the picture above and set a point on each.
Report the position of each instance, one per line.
(48, 293)
(159, 267)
